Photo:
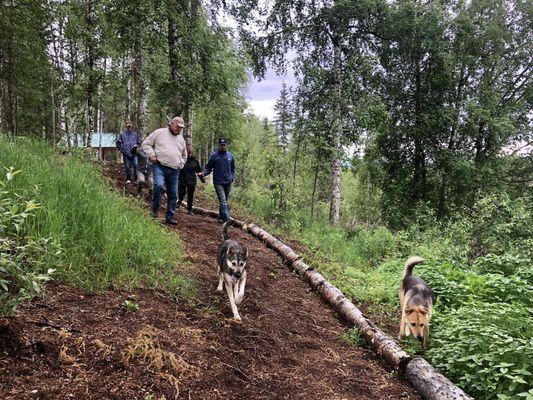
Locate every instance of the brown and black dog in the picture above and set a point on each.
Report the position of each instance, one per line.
(416, 300)
(231, 263)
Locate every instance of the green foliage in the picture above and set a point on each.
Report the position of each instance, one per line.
(505, 264)
(106, 238)
(25, 262)
(503, 224)
(130, 304)
(482, 319)
(487, 348)
(182, 286)
(353, 337)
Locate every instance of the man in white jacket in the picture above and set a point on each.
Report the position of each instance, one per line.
(167, 151)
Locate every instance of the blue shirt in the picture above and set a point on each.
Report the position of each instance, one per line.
(127, 140)
(222, 164)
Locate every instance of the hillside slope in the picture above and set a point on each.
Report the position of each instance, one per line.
(288, 345)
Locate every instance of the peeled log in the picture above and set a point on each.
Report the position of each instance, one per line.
(277, 245)
(301, 267)
(384, 345)
(429, 382)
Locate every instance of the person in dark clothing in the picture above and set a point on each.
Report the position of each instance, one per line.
(126, 141)
(187, 179)
(222, 164)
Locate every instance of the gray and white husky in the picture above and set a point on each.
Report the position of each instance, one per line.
(231, 262)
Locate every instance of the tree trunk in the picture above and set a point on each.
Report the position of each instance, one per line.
(419, 161)
(314, 187)
(100, 119)
(173, 56)
(91, 59)
(127, 103)
(296, 155)
(67, 128)
(480, 145)
(138, 78)
(334, 209)
(443, 209)
(53, 99)
(76, 136)
(430, 383)
(16, 116)
(12, 106)
(187, 133)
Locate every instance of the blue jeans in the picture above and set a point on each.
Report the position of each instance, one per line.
(223, 195)
(128, 162)
(165, 176)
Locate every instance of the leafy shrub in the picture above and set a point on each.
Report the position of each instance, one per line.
(24, 261)
(452, 285)
(455, 286)
(505, 264)
(487, 348)
(502, 225)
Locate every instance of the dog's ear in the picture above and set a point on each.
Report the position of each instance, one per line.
(230, 251)
(245, 251)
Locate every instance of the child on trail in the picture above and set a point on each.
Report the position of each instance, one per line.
(187, 179)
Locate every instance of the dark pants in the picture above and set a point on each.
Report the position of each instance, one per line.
(169, 177)
(190, 194)
(223, 195)
(128, 163)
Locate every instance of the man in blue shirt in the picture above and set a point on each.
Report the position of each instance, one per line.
(125, 143)
(222, 164)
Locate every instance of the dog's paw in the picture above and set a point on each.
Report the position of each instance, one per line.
(219, 288)
(237, 318)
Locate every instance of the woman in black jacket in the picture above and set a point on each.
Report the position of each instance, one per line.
(187, 179)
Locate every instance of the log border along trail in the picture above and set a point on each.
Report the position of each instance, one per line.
(429, 382)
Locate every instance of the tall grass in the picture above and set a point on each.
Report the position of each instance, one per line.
(106, 239)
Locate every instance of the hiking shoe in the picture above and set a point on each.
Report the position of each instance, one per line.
(190, 212)
(153, 213)
(171, 222)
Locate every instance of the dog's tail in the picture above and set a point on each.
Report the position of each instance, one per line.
(225, 235)
(410, 264)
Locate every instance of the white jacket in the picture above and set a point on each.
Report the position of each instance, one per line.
(170, 150)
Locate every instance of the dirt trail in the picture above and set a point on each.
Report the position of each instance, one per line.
(288, 345)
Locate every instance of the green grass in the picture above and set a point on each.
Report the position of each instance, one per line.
(107, 240)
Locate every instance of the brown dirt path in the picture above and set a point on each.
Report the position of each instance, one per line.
(288, 345)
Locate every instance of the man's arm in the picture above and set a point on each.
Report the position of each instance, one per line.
(233, 166)
(209, 166)
(148, 146)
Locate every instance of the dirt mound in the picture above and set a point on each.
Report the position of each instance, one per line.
(288, 345)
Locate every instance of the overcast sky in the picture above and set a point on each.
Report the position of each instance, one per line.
(262, 95)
